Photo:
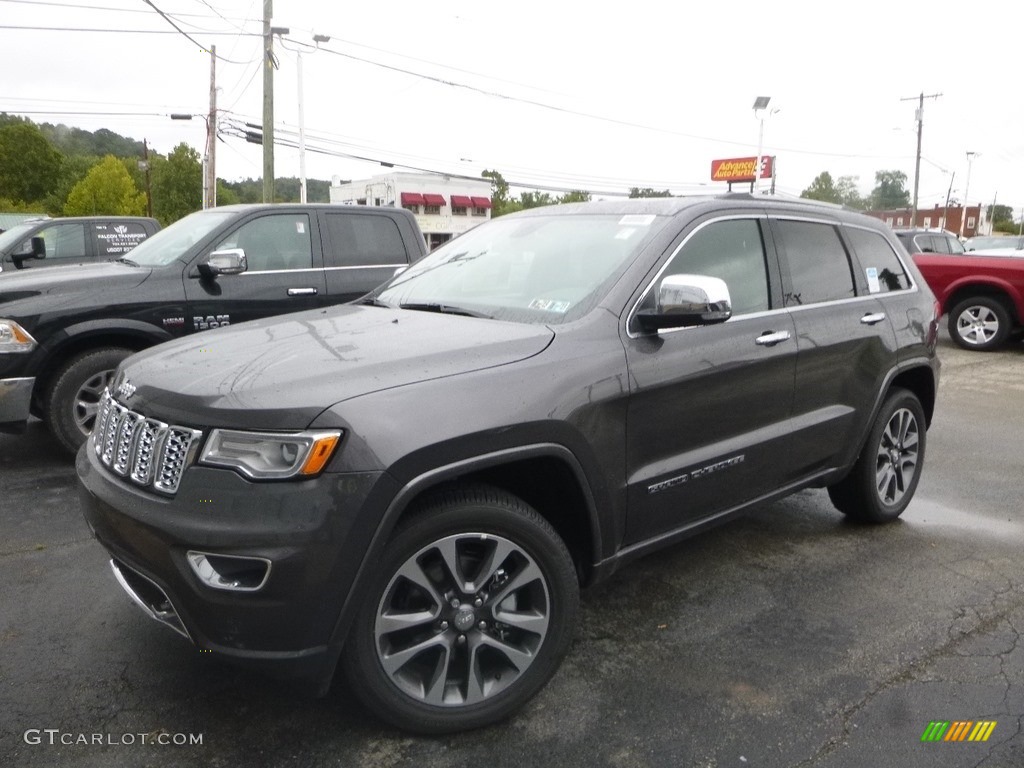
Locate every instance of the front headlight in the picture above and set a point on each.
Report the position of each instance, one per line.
(270, 455)
(14, 338)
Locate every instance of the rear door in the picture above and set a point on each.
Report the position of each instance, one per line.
(361, 251)
(284, 272)
(845, 340)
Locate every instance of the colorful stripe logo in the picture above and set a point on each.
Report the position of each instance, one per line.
(958, 730)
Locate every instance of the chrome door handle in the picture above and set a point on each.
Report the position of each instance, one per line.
(301, 291)
(872, 318)
(771, 338)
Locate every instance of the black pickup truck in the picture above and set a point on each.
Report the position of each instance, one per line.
(63, 332)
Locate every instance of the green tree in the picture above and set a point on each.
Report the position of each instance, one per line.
(890, 191)
(106, 189)
(822, 188)
(576, 196)
(227, 196)
(501, 203)
(846, 187)
(29, 164)
(648, 192)
(177, 184)
(535, 199)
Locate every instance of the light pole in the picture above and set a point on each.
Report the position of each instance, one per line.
(209, 191)
(967, 187)
(760, 105)
(302, 121)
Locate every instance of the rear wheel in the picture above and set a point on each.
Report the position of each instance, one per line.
(470, 613)
(885, 476)
(981, 323)
(73, 398)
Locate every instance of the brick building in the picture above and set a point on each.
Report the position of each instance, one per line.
(939, 217)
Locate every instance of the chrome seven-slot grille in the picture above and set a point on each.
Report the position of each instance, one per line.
(146, 451)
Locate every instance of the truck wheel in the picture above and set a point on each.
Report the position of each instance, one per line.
(884, 478)
(73, 397)
(980, 324)
(468, 615)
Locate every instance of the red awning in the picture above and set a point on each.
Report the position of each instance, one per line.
(462, 201)
(412, 198)
(431, 199)
(481, 202)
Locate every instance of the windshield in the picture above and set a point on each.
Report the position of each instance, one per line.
(14, 235)
(171, 243)
(535, 269)
(987, 243)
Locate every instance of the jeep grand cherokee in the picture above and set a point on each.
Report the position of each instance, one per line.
(418, 484)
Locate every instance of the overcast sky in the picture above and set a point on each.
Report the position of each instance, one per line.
(563, 94)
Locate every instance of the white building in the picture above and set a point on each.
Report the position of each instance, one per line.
(444, 206)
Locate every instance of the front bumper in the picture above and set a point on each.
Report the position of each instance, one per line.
(312, 534)
(15, 403)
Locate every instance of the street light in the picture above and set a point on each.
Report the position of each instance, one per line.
(760, 105)
(302, 122)
(209, 188)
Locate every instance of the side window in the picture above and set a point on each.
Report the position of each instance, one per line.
(819, 269)
(732, 251)
(117, 238)
(273, 242)
(63, 241)
(953, 245)
(883, 270)
(358, 240)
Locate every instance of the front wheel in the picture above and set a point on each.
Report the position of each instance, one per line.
(885, 476)
(72, 401)
(980, 324)
(470, 613)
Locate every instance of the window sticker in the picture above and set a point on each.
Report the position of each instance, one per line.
(637, 219)
(550, 305)
(300, 227)
(624, 234)
(872, 273)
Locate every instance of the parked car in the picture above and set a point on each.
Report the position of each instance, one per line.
(995, 245)
(929, 241)
(72, 240)
(418, 484)
(64, 331)
(982, 294)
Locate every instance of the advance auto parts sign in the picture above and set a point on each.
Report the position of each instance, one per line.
(113, 239)
(741, 168)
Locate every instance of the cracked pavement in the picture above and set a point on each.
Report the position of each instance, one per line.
(785, 638)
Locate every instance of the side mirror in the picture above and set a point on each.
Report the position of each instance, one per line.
(688, 300)
(230, 261)
(38, 248)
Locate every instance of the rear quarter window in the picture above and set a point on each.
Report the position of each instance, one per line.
(883, 271)
(117, 238)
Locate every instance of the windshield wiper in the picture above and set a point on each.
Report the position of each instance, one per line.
(126, 260)
(373, 301)
(446, 309)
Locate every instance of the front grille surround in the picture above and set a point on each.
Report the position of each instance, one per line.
(148, 452)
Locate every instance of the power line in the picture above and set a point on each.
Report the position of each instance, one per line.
(187, 36)
(136, 32)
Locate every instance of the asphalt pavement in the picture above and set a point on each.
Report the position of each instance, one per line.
(788, 637)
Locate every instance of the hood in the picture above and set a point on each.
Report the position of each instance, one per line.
(68, 281)
(281, 372)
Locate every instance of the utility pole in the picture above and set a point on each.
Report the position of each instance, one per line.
(302, 137)
(919, 115)
(967, 188)
(949, 193)
(211, 136)
(268, 104)
(149, 189)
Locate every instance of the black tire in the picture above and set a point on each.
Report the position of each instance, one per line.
(514, 606)
(70, 402)
(981, 323)
(885, 475)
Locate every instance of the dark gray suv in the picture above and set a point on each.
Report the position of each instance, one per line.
(417, 484)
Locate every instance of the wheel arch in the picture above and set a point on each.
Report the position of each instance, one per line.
(85, 337)
(544, 475)
(1004, 294)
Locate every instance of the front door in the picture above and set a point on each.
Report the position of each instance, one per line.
(709, 406)
(284, 273)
